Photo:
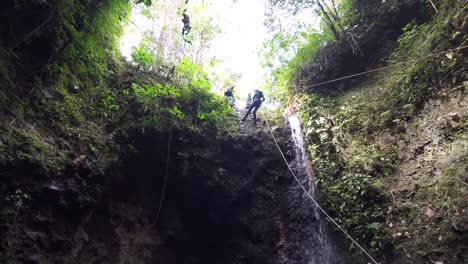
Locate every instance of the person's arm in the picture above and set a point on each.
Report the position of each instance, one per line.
(263, 99)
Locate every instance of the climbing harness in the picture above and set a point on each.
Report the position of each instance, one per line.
(385, 67)
(312, 198)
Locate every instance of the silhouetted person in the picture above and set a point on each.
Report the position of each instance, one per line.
(229, 93)
(187, 27)
(257, 100)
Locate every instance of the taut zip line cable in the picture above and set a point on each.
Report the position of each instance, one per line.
(369, 71)
(386, 67)
(312, 198)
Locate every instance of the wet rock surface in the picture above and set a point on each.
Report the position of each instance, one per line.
(225, 201)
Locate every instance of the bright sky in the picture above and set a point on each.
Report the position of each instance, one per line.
(237, 45)
(132, 35)
(242, 33)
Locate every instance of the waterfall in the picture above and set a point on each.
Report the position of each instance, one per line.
(316, 245)
(301, 155)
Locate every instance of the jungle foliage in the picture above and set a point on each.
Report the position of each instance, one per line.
(84, 92)
(185, 98)
(62, 76)
(294, 43)
(357, 172)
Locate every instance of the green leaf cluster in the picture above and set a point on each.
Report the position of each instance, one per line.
(143, 58)
(355, 141)
(289, 52)
(187, 99)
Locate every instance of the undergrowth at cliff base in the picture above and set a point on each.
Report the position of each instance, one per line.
(352, 186)
(357, 140)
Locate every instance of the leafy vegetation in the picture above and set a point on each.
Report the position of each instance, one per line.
(293, 45)
(357, 140)
(143, 58)
(187, 99)
(350, 183)
(83, 95)
(85, 88)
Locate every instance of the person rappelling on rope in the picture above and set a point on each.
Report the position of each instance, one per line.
(229, 93)
(257, 101)
(187, 27)
(186, 20)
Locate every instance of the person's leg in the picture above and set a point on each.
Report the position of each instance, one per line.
(185, 30)
(255, 113)
(248, 112)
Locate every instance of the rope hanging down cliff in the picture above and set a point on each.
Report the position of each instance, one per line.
(166, 173)
(312, 198)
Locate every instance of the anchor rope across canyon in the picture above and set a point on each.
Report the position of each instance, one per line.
(386, 67)
(312, 198)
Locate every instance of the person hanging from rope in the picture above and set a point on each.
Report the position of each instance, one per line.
(186, 20)
(229, 93)
(187, 27)
(257, 101)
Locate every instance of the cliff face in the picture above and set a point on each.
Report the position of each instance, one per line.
(101, 162)
(378, 25)
(97, 164)
(389, 148)
(228, 200)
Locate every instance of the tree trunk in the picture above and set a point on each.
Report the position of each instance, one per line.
(328, 20)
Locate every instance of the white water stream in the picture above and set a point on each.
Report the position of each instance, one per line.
(318, 247)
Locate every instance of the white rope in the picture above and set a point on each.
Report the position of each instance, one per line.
(385, 67)
(434, 6)
(166, 172)
(312, 198)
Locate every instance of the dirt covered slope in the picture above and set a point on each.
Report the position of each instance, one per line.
(389, 148)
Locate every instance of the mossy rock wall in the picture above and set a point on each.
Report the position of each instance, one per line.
(389, 149)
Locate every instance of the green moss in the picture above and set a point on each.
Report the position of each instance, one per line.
(32, 147)
(416, 228)
(352, 140)
(355, 198)
(57, 119)
(449, 193)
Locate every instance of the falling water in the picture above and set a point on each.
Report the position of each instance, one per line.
(318, 247)
(301, 155)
